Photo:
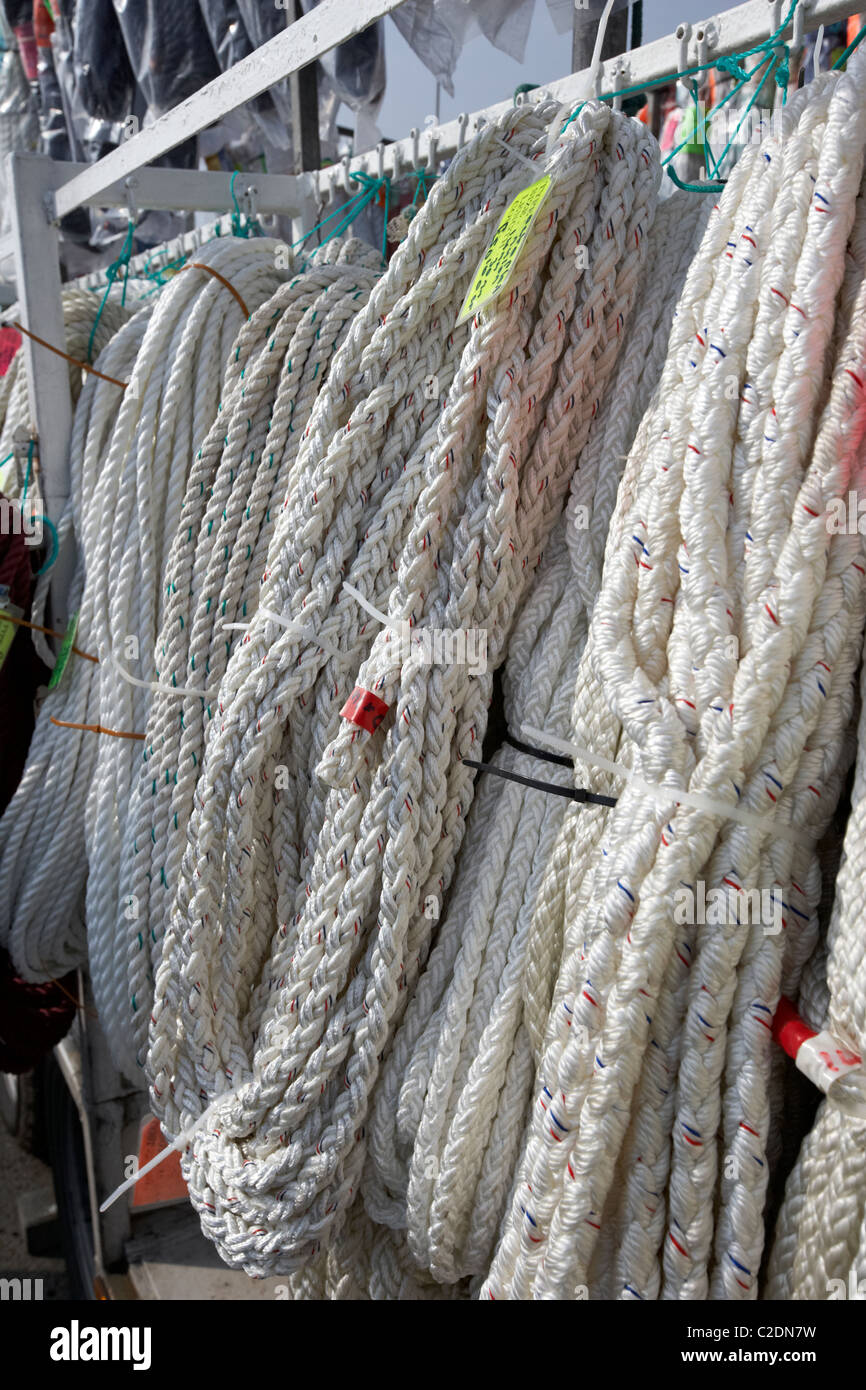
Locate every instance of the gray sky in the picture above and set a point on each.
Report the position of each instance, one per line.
(484, 75)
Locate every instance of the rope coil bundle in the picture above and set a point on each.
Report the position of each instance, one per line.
(130, 452)
(647, 1152)
(436, 513)
(450, 1106)
(279, 364)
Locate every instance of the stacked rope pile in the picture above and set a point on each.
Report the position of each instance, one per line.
(238, 479)
(724, 641)
(450, 1106)
(130, 453)
(79, 309)
(298, 928)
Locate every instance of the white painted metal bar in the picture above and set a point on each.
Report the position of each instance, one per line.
(37, 272)
(329, 24)
(732, 31)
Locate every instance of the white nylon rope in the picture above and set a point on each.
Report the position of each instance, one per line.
(42, 863)
(419, 515)
(178, 381)
(241, 473)
(649, 1064)
(457, 1079)
(820, 1233)
(129, 455)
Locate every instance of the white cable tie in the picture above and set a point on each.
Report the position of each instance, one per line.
(157, 685)
(586, 90)
(666, 795)
(537, 169)
(175, 1145)
(378, 614)
(291, 626)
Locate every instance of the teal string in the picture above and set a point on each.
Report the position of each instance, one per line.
(385, 226)
(421, 176)
(3, 462)
(55, 546)
(122, 263)
(753, 98)
(764, 47)
(338, 212)
(29, 470)
(843, 57)
(718, 106)
(694, 187)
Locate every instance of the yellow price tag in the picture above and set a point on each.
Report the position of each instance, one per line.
(500, 258)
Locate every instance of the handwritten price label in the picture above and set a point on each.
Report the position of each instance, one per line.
(500, 258)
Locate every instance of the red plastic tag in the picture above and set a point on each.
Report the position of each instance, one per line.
(364, 709)
(10, 342)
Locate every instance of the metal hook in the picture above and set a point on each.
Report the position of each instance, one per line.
(415, 136)
(462, 123)
(129, 186)
(431, 152)
(683, 32)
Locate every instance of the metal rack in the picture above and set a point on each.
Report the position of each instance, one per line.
(43, 191)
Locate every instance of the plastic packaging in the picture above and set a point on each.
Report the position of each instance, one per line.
(231, 42)
(104, 83)
(355, 70)
(169, 50)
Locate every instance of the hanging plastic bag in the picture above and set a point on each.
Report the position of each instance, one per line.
(169, 50)
(103, 77)
(231, 42)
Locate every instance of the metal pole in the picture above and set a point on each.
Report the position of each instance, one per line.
(37, 272)
(304, 87)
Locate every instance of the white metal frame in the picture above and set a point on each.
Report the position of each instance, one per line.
(43, 191)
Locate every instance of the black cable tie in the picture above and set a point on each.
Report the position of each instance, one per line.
(572, 793)
(559, 758)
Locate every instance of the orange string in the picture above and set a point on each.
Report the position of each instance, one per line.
(85, 366)
(94, 729)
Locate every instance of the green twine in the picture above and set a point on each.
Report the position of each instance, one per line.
(843, 57)
(721, 63)
(421, 176)
(29, 470)
(122, 263)
(55, 546)
(385, 223)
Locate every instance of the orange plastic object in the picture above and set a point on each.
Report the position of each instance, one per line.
(164, 1183)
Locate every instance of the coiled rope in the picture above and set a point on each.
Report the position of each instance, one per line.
(649, 1144)
(437, 513)
(450, 1106)
(238, 480)
(130, 453)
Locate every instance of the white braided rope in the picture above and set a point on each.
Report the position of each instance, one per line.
(240, 474)
(419, 514)
(457, 1080)
(650, 1066)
